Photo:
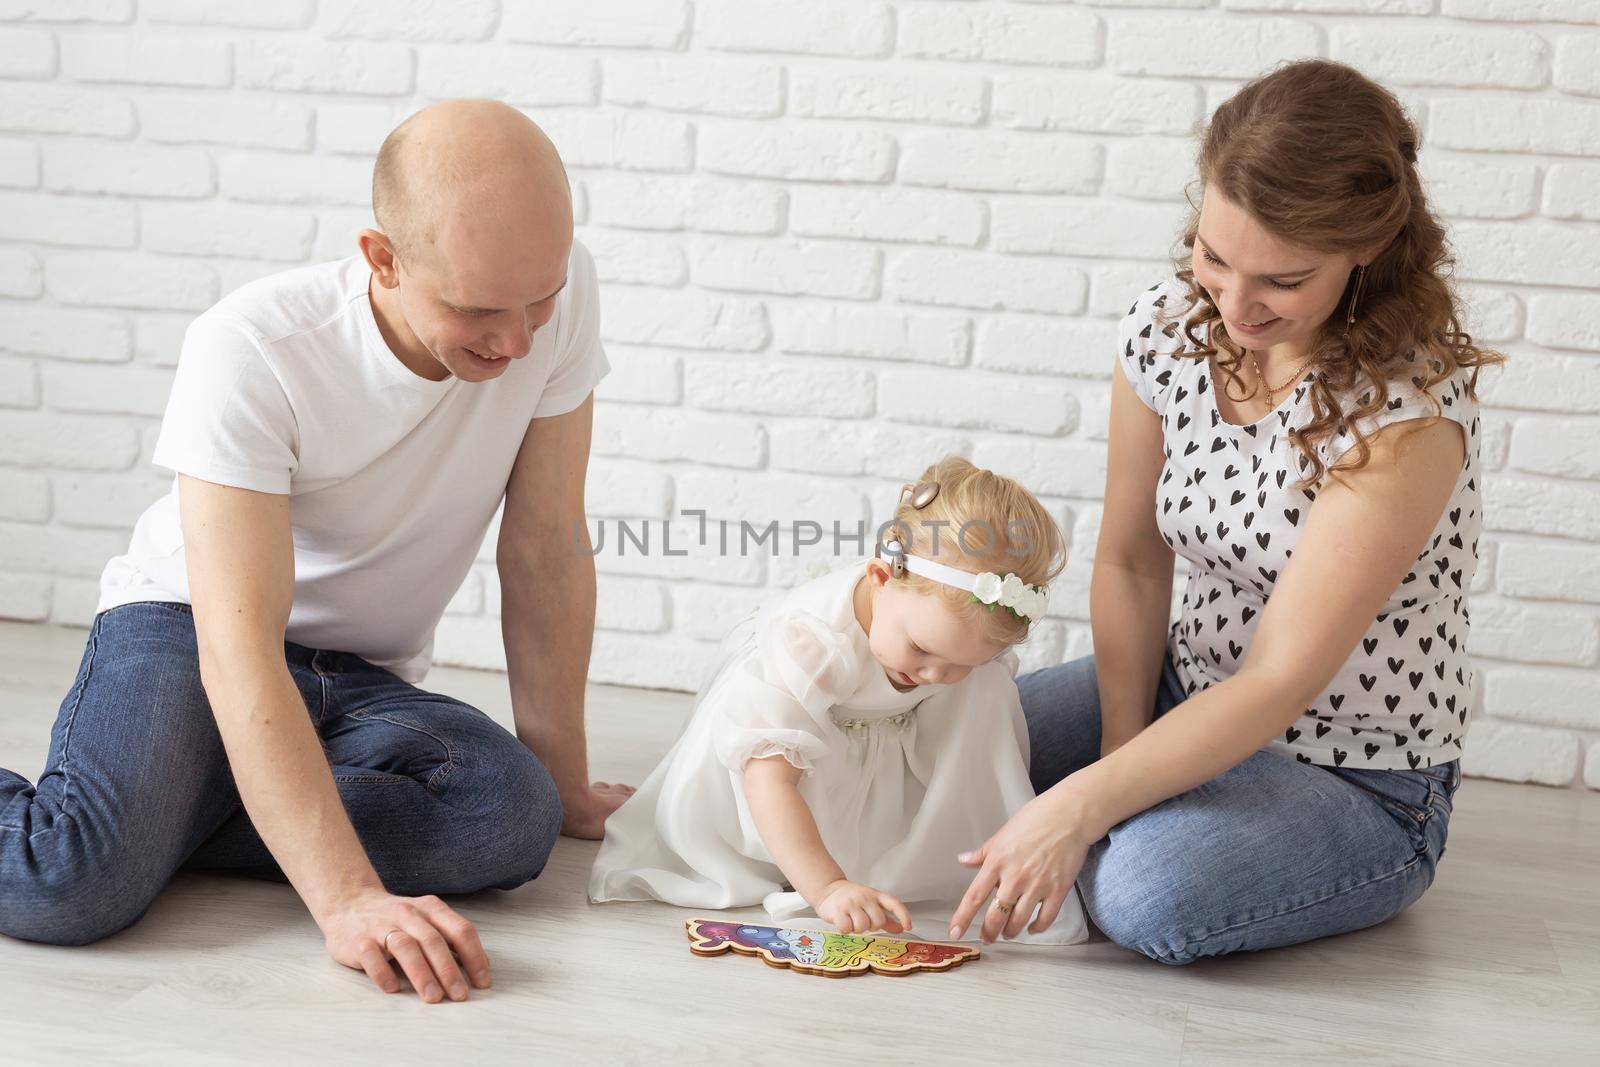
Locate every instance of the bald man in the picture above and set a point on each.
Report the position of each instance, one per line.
(341, 437)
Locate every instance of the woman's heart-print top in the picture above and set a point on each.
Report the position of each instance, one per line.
(1227, 503)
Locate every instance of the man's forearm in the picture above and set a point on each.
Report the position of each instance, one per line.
(287, 787)
(547, 619)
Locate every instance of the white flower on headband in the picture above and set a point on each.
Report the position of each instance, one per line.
(1021, 599)
(988, 588)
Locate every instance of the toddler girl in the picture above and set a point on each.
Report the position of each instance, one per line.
(862, 730)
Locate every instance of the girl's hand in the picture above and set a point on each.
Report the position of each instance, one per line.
(1029, 864)
(859, 909)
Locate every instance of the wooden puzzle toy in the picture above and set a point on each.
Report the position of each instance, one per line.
(828, 954)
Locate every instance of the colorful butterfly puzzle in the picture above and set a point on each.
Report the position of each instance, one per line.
(829, 954)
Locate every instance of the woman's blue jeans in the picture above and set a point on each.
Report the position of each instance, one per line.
(1272, 852)
(137, 784)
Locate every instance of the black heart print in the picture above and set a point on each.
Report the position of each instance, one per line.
(1208, 546)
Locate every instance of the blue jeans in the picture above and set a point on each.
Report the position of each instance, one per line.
(137, 784)
(1272, 852)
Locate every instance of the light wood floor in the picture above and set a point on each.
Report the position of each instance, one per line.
(1499, 962)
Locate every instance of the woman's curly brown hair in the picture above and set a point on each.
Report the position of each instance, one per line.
(1325, 158)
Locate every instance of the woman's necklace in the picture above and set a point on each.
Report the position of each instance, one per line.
(1272, 398)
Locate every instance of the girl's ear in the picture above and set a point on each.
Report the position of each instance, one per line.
(879, 572)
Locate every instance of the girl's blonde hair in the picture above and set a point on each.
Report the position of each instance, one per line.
(979, 521)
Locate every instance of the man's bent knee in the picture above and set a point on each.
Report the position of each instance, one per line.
(529, 823)
(507, 832)
(53, 913)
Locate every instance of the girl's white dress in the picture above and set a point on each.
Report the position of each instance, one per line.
(898, 783)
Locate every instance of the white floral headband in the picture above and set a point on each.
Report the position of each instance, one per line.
(1025, 601)
(1029, 602)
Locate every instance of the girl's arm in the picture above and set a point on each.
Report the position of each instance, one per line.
(790, 833)
(787, 828)
(1130, 595)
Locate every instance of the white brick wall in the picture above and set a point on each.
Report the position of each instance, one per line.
(839, 238)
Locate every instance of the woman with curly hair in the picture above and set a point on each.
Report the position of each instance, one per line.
(1295, 414)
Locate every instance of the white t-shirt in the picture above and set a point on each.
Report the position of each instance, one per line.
(1227, 503)
(287, 386)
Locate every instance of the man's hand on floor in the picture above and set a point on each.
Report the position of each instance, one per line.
(376, 930)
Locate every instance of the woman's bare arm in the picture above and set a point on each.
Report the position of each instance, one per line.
(1130, 595)
(1361, 538)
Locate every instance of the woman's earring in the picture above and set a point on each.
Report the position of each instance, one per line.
(1355, 297)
